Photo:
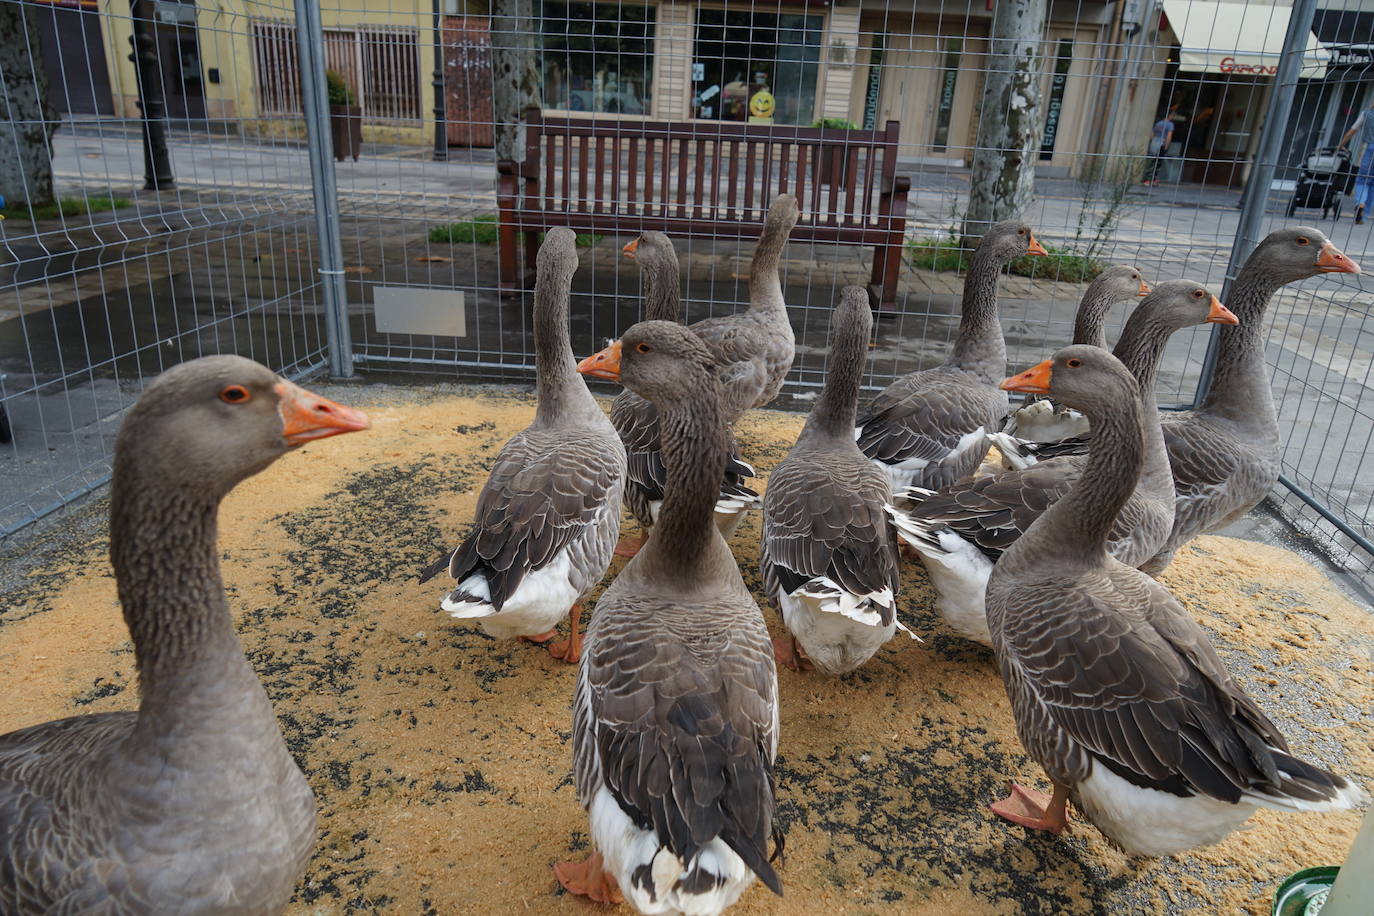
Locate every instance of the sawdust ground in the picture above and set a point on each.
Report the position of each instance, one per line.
(441, 757)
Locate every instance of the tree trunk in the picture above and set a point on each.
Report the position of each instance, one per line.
(514, 72)
(1002, 185)
(28, 123)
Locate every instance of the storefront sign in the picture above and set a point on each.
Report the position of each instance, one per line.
(1055, 107)
(1231, 65)
(875, 61)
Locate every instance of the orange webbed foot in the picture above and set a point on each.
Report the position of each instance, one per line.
(788, 653)
(1035, 810)
(570, 649)
(588, 879)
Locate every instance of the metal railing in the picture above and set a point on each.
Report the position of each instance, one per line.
(264, 246)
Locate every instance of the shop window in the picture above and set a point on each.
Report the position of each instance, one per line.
(597, 57)
(751, 66)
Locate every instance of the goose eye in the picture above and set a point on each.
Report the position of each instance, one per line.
(1301, 240)
(1197, 294)
(234, 394)
(643, 348)
(1074, 363)
(1020, 232)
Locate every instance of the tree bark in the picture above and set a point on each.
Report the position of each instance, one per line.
(28, 122)
(1002, 185)
(514, 72)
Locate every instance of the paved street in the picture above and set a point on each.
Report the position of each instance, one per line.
(228, 250)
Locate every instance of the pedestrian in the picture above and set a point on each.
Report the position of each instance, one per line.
(1161, 135)
(1364, 180)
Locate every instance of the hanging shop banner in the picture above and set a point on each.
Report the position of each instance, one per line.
(949, 78)
(875, 63)
(1055, 107)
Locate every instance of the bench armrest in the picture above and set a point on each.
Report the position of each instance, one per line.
(507, 167)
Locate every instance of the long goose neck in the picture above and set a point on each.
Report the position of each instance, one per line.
(1240, 386)
(980, 347)
(561, 391)
(1140, 349)
(191, 667)
(1090, 322)
(662, 292)
(1077, 526)
(833, 415)
(765, 284)
(692, 436)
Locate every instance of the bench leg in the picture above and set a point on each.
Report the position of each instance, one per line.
(887, 265)
(510, 278)
(531, 257)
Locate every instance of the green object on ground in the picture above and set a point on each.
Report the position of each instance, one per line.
(67, 206)
(483, 230)
(1304, 892)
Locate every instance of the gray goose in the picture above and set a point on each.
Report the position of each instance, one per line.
(192, 804)
(1116, 691)
(754, 348)
(675, 717)
(1226, 453)
(930, 428)
(548, 516)
(636, 418)
(1042, 422)
(961, 530)
(828, 557)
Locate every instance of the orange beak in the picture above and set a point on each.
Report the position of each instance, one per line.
(1333, 260)
(603, 364)
(1220, 314)
(1144, 289)
(1035, 380)
(631, 248)
(1036, 248)
(305, 416)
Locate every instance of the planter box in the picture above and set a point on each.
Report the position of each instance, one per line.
(346, 127)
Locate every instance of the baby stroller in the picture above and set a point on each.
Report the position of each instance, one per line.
(1325, 176)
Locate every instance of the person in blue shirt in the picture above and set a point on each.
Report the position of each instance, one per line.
(1364, 180)
(1161, 135)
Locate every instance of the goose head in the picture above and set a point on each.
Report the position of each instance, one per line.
(212, 422)
(650, 246)
(1118, 283)
(1288, 255)
(1082, 376)
(1009, 240)
(1181, 303)
(661, 361)
(783, 213)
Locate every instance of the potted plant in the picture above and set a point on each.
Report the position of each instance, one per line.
(345, 117)
(838, 160)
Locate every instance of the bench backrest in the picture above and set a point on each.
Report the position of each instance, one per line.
(712, 174)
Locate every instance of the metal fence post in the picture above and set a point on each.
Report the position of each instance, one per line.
(315, 99)
(1256, 194)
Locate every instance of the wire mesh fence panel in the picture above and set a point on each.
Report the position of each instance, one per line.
(1120, 132)
(106, 281)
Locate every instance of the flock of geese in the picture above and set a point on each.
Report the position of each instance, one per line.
(192, 804)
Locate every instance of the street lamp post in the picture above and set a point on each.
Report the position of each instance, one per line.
(157, 166)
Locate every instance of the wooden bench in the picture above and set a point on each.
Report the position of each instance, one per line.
(702, 179)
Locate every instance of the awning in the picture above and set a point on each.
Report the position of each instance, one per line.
(1237, 39)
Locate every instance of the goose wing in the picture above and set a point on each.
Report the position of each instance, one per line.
(1210, 471)
(546, 489)
(1113, 670)
(684, 734)
(937, 420)
(824, 521)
